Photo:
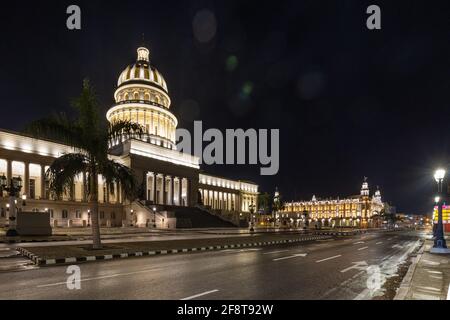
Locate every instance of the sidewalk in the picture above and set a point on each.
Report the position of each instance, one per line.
(428, 277)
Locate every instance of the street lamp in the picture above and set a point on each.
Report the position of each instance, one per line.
(154, 217)
(13, 187)
(24, 200)
(439, 241)
(252, 217)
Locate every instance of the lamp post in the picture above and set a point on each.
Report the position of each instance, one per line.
(154, 217)
(439, 241)
(13, 187)
(252, 217)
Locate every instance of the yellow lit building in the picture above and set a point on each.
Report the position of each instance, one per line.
(171, 181)
(355, 211)
(445, 217)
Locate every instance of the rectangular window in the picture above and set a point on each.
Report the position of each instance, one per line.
(51, 213)
(65, 214)
(78, 214)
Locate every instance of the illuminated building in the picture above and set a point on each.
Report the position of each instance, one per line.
(169, 180)
(445, 217)
(361, 210)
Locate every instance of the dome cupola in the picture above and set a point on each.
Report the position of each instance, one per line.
(142, 97)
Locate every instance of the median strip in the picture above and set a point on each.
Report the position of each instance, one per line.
(54, 255)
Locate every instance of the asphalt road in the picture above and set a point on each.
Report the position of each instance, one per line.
(343, 268)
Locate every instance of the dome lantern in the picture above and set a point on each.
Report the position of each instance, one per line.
(143, 54)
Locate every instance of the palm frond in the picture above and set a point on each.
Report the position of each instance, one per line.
(57, 128)
(88, 114)
(123, 128)
(114, 172)
(62, 172)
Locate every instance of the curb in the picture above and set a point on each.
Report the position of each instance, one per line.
(406, 282)
(34, 240)
(57, 261)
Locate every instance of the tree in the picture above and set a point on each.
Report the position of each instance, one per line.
(90, 138)
(264, 202)
(390, 217)
(277, 204)
(305, 214)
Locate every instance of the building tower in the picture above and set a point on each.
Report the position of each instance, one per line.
(377, 196)
(142, 97)
(365, 188)
(364, 200)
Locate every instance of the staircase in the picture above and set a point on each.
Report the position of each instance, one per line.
(189, 217)
(193, 217)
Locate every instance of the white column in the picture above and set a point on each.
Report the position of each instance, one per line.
(172, 190)
(180, 188)
(155, 201)
(43, 182)
(26, 182)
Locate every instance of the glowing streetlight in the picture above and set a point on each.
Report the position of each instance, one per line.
(439, 175)
(440, 245)
(154, 217)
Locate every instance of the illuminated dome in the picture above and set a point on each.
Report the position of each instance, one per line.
(142, 71)
(142, 97)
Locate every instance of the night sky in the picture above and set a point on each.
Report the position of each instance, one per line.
(349, 102)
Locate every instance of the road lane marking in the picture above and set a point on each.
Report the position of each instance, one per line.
(200, 294)
(333, 257)
(362, 248)
(272, 252)
(359, 242)
(379, 242)
(99, 278)
(359, 265)
(396, 246)
(448, 292)
(389, 239)
(290, 257)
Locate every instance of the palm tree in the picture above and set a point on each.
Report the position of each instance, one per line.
(264, 202)
(90, 138)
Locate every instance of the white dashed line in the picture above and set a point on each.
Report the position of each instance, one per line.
(200, 295)
(362, 248)
(379, 242)
(99, 278)
(272, 252)
(290, 257)
(334, 257)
